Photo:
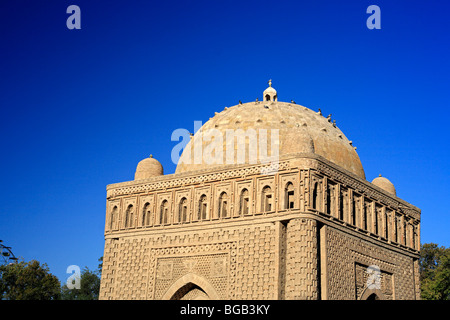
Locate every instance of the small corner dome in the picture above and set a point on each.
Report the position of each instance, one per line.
(147, 168)
(384, 184)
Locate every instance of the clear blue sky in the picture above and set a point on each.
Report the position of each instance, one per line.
(80, 108)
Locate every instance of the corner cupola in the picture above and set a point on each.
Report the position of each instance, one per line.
(148, 168)
(384, 184)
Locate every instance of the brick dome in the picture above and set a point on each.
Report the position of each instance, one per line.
(300, 130)
(384, 184)
(148, 168)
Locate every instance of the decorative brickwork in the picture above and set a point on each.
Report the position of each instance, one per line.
(348, 260)
(301, 260)
(240, 266)
(309, 237)
(303, 225)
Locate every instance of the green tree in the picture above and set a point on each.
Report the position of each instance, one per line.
(89, 287)
(434, 272)
(28, 281)
(100, 266)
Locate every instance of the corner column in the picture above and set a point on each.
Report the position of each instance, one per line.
(301, 260)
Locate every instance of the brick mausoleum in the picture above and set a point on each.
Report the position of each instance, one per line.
(307, 226)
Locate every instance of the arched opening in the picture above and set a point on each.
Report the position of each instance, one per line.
(129, 217)
(203, 208)
(395, 229)
(356, 210)
(330, 196)
(190, 291)
(223, 205)
(164, 212)
(314, 196)
(267, 97)
(376, 219)
(191, 286)
(113, 218)
(365, 217)
(289, 196)
(343, 205)
(182, 210)
(403, 228)
(244, 206)
(373, 296)
(386, 225)
(267, 198)
(146, 214)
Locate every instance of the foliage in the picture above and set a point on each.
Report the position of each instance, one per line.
(434, 272)
(28, 281)
(89, 287)
(100, 266)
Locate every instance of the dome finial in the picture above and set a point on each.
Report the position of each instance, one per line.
(270, 94)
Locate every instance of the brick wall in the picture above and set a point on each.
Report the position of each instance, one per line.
(239, 263)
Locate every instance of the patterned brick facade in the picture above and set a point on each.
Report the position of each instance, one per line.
(307, 230)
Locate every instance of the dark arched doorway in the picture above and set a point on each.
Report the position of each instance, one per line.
(373, 296)
(190, 291)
